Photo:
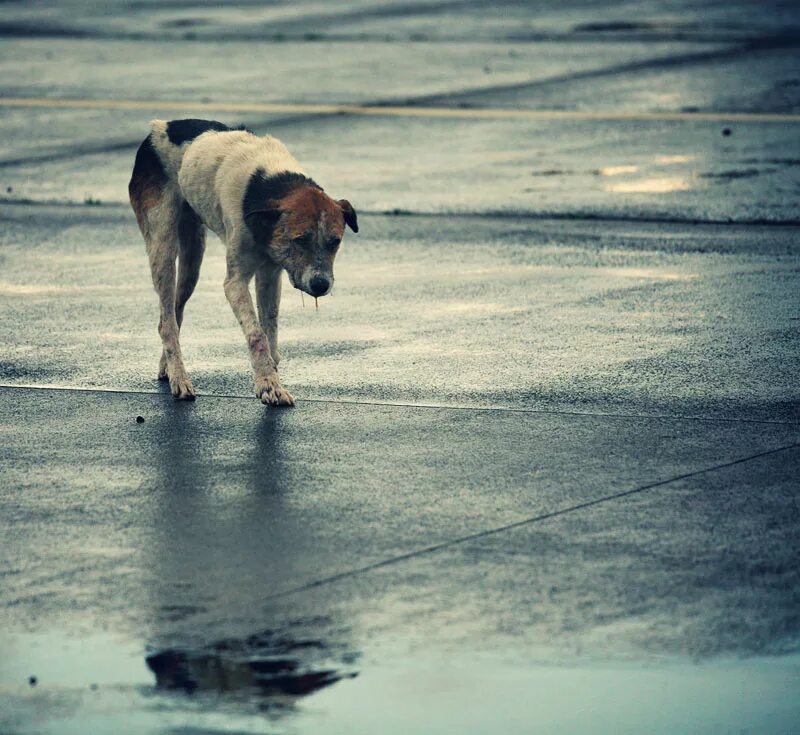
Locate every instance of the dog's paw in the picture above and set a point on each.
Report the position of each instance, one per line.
(272, 393)
(182, 388)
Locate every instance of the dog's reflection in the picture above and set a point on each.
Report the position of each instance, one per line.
(219, 533)
(215, 501)
(267, 664)
(196, 450)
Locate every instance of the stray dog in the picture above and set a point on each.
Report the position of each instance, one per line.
(251, 192)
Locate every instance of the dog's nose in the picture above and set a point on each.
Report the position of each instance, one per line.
(319, 285)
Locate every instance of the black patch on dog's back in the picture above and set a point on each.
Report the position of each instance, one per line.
(148, 164)
(263, 191)
(182, 131)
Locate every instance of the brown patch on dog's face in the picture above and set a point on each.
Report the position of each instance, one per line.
(307, 208)
(306, 238)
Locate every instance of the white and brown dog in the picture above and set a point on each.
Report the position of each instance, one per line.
(250, 191)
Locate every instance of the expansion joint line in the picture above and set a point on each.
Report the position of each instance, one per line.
(380, 110)
(428, 550)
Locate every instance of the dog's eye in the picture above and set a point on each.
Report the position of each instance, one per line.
(333, 244)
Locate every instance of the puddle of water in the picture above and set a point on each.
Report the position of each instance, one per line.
(257, 684)
(54, 683)
(464, 694)
(63, 661)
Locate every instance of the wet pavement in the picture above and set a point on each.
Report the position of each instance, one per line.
(542, 473)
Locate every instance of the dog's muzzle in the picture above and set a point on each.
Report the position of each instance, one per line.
(319, 285)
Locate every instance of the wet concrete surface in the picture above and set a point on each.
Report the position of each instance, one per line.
(620, 317)
(542, 470)
(684, 172)
(485, 531)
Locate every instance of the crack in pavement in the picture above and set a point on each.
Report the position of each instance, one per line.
(72, 150)
(428, 550)
(397, 404)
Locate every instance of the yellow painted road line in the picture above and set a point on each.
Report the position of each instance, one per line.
(395, 111)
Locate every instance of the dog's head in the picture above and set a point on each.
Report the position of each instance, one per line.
(300, 226)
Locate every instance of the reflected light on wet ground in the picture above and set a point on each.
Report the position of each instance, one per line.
(617, 170)
(646, 273)
(660, 185)
(647, 184)
(468, 307)
(671, 160)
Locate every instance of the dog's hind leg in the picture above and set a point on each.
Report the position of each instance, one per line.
(160, 225)
(162, 250)
(191, 247)
(158, 206)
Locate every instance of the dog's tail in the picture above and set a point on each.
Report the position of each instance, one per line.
(158, 125)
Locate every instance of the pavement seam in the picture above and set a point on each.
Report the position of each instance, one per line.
(428, 550)
(432, 406)
(522, 215)
(378, 110)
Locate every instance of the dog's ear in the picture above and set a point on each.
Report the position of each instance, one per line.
(349, 214)
(262, 222)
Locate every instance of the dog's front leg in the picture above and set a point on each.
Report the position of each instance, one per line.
(268, 385)
(268, 297)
